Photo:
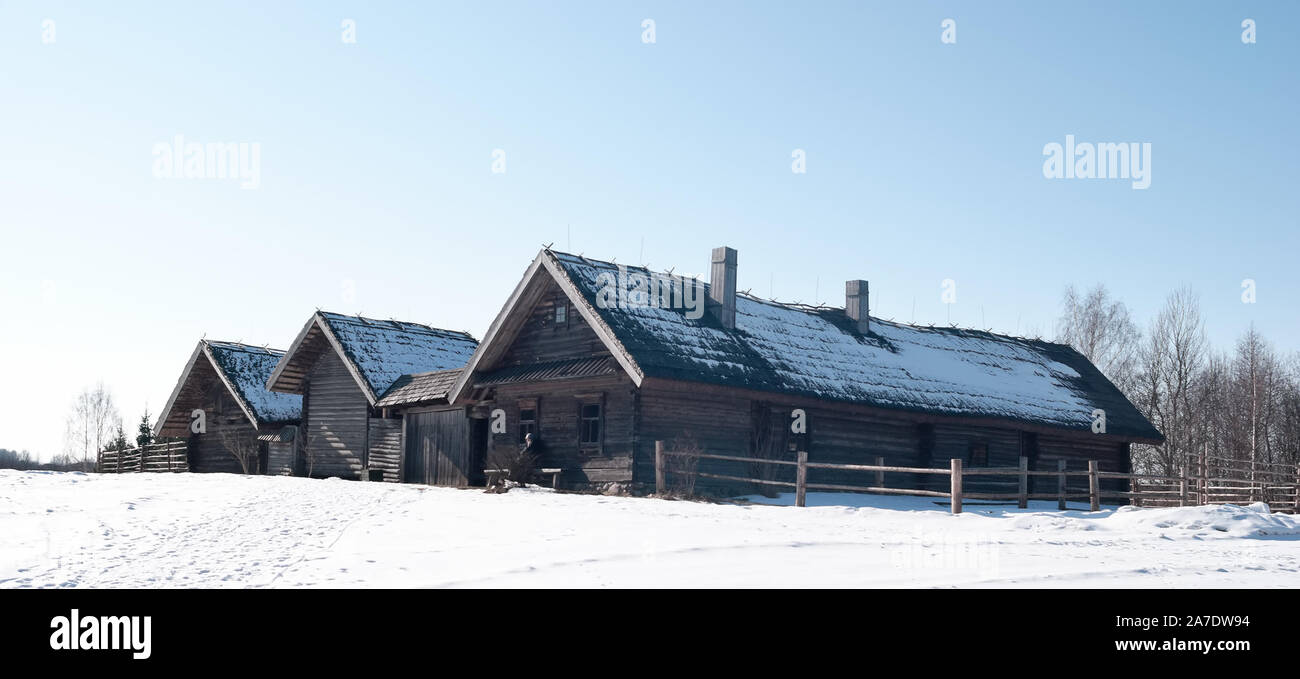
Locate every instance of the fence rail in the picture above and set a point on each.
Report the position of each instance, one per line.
(1194, 487)
(171, 456)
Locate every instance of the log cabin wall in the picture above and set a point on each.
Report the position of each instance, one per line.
(281, 456)
(227, 428)
(543, 338)
(557, 405)
(713, 420)
(335, 415)
(385, 447)
(735, 422)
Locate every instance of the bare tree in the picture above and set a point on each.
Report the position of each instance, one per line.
(682, 470)
(1101, 329)
(243, 446)
(92, 422)
(1181, 326)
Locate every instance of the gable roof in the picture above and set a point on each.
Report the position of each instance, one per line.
(816, 352)
(376, 352)
(243, 370)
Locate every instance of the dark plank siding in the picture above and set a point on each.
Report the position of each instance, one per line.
(280, 458)
(557, 404)
(336, 414)
(542, 339)
(438, 448)
(715, 421)
(386, 447)
(212, 451)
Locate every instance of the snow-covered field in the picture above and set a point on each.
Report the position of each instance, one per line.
(222, 530)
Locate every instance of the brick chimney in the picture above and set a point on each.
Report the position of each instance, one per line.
(722, 286)
(857, 305)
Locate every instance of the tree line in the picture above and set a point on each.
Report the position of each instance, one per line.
(1240, 404)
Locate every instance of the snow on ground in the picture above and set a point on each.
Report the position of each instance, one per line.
(224, 530)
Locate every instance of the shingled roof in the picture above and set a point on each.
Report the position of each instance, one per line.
(816, 352)
(243, 369)
(377, 352)
(430, 387)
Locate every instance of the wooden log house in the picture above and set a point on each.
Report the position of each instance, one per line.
(225, 382)
(598, 361)
(359, 378)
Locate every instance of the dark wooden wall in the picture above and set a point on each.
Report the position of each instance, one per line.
(226, 424)
(557, 404)
(385, 435)
(280, 457)
(438, 450)
(541, 339)
(726, 421)
(335, 418)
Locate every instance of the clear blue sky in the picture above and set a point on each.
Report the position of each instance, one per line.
(924, 163)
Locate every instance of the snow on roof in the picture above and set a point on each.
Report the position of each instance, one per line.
(383, 351)
(816, 352)
(246, 369)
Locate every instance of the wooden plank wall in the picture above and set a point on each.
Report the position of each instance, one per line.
(437, 448)
(851, 435)
(209, 452)
(557, 438)
(716, 421)
(386, 447)
(541, 339)
(280, 458)
(335, 420)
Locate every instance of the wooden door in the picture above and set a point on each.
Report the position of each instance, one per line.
(437, 448)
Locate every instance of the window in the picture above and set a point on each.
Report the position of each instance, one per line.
(561, 314)
(527, 422)
(979, 454)
(589, 416)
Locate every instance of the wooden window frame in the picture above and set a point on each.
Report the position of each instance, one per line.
(524, 405)
(596, 447)
(970, 453)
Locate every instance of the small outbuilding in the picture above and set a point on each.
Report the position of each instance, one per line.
(342, 366)
(222, 408)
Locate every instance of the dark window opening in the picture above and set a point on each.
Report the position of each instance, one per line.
(979, 455)
(527, 423)
(589, 424)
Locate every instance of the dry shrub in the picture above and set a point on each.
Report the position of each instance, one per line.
(681, 470)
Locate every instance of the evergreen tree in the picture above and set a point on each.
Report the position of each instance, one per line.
(144, 432)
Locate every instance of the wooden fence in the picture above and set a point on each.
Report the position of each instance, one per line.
(171, 456)
(1199, 488)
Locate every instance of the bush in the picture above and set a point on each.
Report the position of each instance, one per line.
(518, 465)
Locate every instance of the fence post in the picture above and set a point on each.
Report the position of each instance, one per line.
(1024, 483)
(1182, 480)
(660, 482)
(956, 485)
(880, 475)
(1205, 476)
(801, 480)
(1060, 484)
(1094, 499)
